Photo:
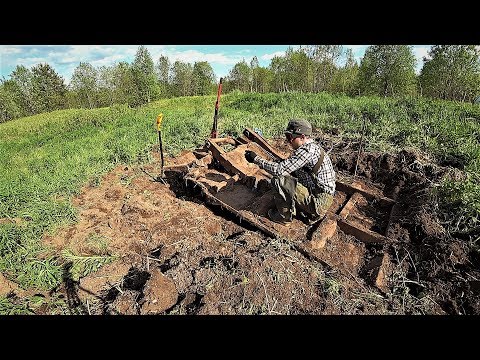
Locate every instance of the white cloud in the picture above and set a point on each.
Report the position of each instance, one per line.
(271, 56)
(68, 72)
(192, 56)
(356, 47)
(30, 61)
(421, 52)
(108, 60)
(7, 50)
(92, 53)
(64, 58)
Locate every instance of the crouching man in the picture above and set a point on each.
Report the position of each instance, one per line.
(304, 182)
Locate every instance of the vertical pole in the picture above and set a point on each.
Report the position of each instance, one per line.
(360, 147)
(213, 134)
(161, 150)
(159, 128)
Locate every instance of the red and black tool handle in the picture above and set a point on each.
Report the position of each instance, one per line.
(213, 134)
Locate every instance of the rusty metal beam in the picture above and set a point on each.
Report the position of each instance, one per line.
(215, 201)
(223, 141)
(219, 154)
(305, 249)
(390, 218)
(253, 136)
(242, 140)
(341, 186)
(180, 168)
(346, 226)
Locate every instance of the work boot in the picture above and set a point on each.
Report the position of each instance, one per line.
(275, 216)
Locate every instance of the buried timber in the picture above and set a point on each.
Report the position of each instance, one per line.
(199, 240)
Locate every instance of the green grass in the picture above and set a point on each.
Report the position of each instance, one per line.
(30, 305)
(8, 307)
(97, 243)
(81, 266)
(46, 158)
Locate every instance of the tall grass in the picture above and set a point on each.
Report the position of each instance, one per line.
(46, 158)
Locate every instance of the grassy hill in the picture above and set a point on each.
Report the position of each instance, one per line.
(46, 158)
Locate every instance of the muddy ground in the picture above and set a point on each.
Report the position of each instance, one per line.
(173, 254)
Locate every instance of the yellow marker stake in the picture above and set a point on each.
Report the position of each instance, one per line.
(159, 123)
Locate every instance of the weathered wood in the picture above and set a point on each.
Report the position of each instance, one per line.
(362, 234)
(351, 189)
(349, 205)
(253, 136)
(378, 271)
(325, 231)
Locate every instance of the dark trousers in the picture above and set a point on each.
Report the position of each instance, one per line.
(290, 195)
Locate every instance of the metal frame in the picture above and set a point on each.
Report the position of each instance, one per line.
(361, 233)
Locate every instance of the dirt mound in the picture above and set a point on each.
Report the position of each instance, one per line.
(436, 265)
(159, 294)
(176, 254)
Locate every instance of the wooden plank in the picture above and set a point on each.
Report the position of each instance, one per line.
(349, 205)
(351, 189)
(378, 271)
(253, 136)
(362, 234)
(326, 229)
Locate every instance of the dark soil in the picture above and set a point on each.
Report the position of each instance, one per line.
(437, 265)
(177, 255)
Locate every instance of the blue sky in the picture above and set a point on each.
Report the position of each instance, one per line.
(65, 58)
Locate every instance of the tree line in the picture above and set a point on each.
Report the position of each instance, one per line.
(42, 89)
(452, 72)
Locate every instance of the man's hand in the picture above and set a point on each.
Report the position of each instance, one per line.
(250, 156)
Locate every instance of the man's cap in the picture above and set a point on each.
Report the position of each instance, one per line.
(299, 127)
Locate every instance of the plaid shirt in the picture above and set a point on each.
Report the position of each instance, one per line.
(303, 161)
